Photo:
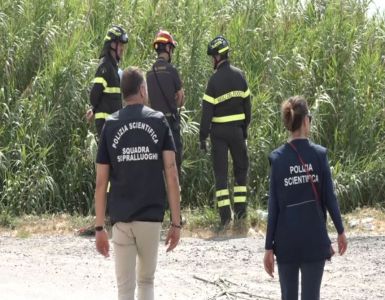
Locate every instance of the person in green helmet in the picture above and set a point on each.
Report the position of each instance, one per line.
(105, 95)
(226, 112)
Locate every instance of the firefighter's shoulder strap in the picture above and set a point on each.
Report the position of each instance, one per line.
(163, 94)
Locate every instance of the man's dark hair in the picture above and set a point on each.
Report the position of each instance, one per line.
(132, 79)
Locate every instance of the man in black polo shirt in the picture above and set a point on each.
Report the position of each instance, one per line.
(105, 96)
(226, 111)
(165, 88)
(136, 152)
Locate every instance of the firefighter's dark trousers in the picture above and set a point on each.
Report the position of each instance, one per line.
(225, 137)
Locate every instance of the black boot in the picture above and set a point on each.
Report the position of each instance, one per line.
(225, 214)
(240, 211)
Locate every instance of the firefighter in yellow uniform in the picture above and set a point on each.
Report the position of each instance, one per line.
(226, 111)
(105, 96)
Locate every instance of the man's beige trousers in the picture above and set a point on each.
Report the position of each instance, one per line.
(136, 241)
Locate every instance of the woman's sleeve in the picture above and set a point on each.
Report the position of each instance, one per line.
(273, 211)
(329, 197)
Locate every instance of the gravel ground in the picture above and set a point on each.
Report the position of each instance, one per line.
(68, 267)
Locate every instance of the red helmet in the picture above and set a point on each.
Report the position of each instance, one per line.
(163, 37)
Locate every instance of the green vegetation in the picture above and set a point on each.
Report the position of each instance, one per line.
(328, 50)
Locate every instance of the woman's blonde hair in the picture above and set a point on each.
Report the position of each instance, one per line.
(294, 110)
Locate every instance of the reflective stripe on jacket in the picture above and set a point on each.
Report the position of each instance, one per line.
(226, 100)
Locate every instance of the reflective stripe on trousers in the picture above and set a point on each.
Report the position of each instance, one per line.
(222, 197)
(240, 193)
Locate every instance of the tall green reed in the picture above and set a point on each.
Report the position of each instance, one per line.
(330, 51)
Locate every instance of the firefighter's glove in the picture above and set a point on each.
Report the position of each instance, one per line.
(203, 146)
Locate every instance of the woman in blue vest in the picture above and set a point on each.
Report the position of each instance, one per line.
(301, 191)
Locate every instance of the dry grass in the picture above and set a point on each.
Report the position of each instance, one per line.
(367, 221)
(61, 224)
(332, 54)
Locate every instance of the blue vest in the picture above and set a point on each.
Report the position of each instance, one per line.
(297, 211)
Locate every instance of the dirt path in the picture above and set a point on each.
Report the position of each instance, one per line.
(68, 267)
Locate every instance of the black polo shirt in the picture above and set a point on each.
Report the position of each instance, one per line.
(226, 100)
(171, 83)
(105, 94)
(132, 142)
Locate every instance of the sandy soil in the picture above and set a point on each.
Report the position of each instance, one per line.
(68, 267)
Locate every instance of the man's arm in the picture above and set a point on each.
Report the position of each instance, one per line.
(246, 106)
(102, 175)
(208, 103)
(179, 95)
(247, 110)
(96, 94)
(207, 115)
(179, 98)
(99, 84)
(172, 181)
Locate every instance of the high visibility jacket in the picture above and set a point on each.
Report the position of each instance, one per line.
(226, 100)
(105, 94)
